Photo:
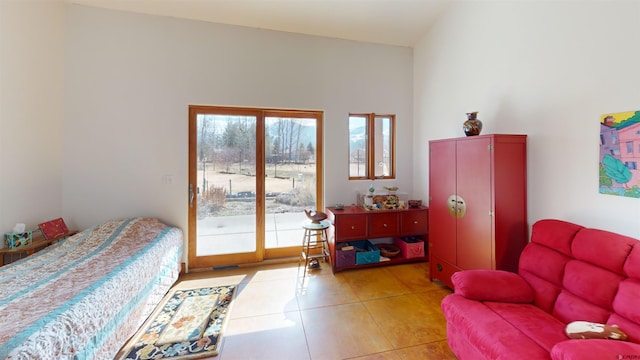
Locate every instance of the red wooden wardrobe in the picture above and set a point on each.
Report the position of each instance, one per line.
(477, 203)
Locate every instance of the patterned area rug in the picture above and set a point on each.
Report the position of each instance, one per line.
(187, 325)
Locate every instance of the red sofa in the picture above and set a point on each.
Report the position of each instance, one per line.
(566, 273)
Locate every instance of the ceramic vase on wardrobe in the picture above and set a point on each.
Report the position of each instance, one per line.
(472, 126)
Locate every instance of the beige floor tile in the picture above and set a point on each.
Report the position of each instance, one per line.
(408, 319)
(318, 291)
(433, 297)
(342, 331)
(374, 283)
(438, 350)
(279, 336)
(324, 270)
(287, 271)
(265, 297)
(414, 276)
(387, 355)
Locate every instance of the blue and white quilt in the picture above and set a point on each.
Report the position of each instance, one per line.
(85, 296)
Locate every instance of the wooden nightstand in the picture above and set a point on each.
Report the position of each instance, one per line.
(38, 243)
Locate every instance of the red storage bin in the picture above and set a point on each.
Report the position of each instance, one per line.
(410, 246)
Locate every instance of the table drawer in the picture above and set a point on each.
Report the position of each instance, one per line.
(383, 225)
(349, 227)
(414, 222)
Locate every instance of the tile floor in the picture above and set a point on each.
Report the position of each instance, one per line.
(389, 312)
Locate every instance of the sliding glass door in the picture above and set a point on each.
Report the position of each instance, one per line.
(252, 172)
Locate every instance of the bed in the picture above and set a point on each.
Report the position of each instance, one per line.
(85, 296)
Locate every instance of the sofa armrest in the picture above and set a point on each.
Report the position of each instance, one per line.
(492, 285)
(595, 349)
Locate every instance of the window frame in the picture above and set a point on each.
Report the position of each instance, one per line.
(370, 147)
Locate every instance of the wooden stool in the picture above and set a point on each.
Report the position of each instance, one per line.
(314, 244)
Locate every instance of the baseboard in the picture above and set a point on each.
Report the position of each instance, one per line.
(265, 262)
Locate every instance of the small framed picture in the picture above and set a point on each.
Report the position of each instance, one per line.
(54, 228)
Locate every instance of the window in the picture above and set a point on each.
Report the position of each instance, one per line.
(371, 146)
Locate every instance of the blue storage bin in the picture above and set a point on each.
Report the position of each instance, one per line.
(370, 255)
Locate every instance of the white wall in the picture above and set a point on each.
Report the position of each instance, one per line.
(545, 69)
(131, 77)
(101, 111)
(31, 111)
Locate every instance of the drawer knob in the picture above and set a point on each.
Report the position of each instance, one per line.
(353, 227)
(385, 225)
(415, 221)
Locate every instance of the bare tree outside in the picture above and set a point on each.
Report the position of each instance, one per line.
(227, 158)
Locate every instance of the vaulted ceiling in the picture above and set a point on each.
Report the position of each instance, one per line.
(391, 22)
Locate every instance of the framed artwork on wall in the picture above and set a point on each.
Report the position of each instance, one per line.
(620, 154)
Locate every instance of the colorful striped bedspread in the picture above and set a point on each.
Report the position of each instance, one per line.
(83, 297)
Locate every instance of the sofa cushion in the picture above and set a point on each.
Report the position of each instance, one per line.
(632, 265)
(505, 286)
(539, 326)
(461, 345)
(555, 234)
(580, 299)
(594, 349)
(570, 308)
(602, 248)
(631, 328)
(544, 292)
(554, 262)
(627, 300)
(546, 280)
(579, 278)
(487, 331)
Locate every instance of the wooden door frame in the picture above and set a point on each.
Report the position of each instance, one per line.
(260, 113)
